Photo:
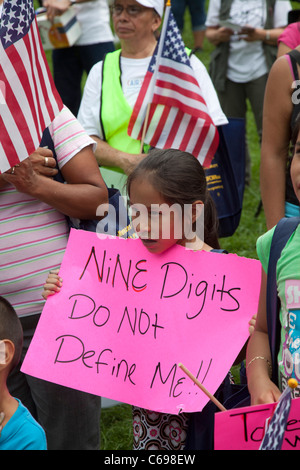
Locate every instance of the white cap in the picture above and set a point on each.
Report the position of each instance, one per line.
(158, 5)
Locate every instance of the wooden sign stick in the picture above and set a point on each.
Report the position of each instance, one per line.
(211, 397)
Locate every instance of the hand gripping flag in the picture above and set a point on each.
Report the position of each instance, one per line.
(29, 100)
(274, 435)
(170, 111)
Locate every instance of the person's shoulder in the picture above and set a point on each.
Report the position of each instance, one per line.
(263, 246)
(268, 235)
(34, 436)
(280, 68)
(22, 432)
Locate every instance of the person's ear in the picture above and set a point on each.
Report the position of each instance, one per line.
(7, 352)
(197, 208)
(156, 22)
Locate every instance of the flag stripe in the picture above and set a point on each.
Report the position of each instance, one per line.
(29, 85)
(187, 131)
(39, 83)
(174, 100)
(161, 123)
(52, 97)
(140, 107)
(11, 120)
(16, 79)
(173, 134)
(186, 86)
(168, 86)
(8, 158)
(184, 74)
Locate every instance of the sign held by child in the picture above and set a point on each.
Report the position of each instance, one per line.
(125, 318)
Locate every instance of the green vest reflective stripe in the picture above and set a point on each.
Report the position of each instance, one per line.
(115, 111)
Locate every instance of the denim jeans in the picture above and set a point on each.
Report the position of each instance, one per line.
(69, 65)
(71, 419)
(197, 12)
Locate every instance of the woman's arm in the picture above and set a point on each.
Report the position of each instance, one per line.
(277, 113)
(109, 156)
(258, 356)
(282, 49)
(79, 198)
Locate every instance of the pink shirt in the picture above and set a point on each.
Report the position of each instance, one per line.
(291, 35)
(33, 235)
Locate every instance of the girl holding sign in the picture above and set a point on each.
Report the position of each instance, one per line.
(170, 179)
(170, 205)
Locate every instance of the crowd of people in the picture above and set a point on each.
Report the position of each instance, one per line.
(256, 53)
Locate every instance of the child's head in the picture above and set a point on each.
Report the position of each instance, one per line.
(174, 178)
(295, 166)
(11, 335)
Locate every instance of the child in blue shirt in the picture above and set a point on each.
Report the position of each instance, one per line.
(18, 429)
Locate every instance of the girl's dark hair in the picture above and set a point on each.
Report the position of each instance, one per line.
(179, 177)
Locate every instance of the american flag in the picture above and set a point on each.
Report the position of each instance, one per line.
(178, 115)
(29, 100)
(274, 435)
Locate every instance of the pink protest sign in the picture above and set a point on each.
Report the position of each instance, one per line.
(243, 428)
(125, 318)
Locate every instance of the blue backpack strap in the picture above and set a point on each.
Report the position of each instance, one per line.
(282, 233)
(47, 141)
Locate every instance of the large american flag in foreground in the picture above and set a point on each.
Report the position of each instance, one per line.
(178, 116)
(29, 100)
(274, 435)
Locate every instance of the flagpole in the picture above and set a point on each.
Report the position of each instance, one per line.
(145, 127)
(199, 384)
(159, 52)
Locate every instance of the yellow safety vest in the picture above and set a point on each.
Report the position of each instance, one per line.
(115, 111)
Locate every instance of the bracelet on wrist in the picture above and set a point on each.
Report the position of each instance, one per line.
(263, 359)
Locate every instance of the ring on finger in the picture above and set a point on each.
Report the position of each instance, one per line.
(46, 161)
(13, 170)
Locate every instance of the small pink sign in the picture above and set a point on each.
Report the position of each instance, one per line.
(243, 428)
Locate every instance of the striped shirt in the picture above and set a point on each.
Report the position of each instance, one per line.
(33, 235)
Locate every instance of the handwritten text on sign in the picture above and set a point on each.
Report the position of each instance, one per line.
(243, 428)
(125, 318)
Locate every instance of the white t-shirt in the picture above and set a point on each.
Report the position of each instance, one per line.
(247, 59)
(133, 72)
(94, 20)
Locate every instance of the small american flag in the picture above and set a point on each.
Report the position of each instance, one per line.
(29, 100)
(274, 435)
(170, 111)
